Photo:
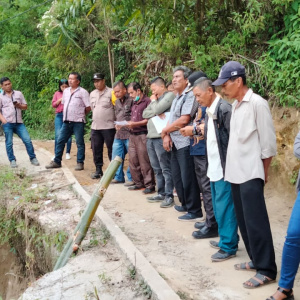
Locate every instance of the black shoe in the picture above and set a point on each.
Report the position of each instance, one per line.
(205, 232)
(199, 225)
(135, 188)
(97, 174)
(180, 208)
(147, 191)
(221, 256)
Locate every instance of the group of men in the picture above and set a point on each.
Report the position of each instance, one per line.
(208, 150)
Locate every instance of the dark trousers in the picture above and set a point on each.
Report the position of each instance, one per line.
(67, 129)
(201, 166)
(253, 221)
(98, 138)
(184, 179)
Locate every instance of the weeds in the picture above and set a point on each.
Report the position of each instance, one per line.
(293, 178)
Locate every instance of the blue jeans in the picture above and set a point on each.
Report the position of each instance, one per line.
(120, 148)
(19, 129)
(160, 161)
(225, 215)
(291, 249)
(58, 124)
(66, 132)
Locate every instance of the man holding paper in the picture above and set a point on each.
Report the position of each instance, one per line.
(157, 114)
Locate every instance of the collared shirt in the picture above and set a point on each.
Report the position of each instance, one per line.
(137, 113)
(75, 104)
(252, 138)
(123, 113)
(7, 108)
(215, 170)
(103, 109)
(178, 109)
(60, 107)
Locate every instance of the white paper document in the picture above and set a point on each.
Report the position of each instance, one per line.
(159, 123)
(121, 123)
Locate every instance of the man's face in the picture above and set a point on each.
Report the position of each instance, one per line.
(155, 89)
(120, 92)
(99, 84)
(230, 88)
(179, 82)
(73, 81)
(133, 94)
(203, 97)
(7, 86)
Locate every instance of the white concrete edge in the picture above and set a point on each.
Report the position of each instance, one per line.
(159, 287)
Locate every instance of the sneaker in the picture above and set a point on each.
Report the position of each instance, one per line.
(98, 174)
(53, 165)
(206, 232)
(190, 217)
(115, 181)
(68, 156)
(79, 167)
(168, 202)
(180, 208)
(135, 188)
(156, 198)
(221, 256)
(214, 244)
(129, 183)
(35, 162)
(199, 225)
(148, 191)
(13, 164)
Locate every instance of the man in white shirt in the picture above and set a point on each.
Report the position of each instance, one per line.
(252, 144)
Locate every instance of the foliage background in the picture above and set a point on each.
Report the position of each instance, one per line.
(42, 41)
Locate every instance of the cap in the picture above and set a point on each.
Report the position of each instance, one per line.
(98, 76)
(230, 69)
(194, 76)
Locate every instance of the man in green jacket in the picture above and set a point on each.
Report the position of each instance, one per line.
(159, 157)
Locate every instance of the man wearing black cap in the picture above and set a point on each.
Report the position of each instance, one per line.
(103, 128)
(252, 144)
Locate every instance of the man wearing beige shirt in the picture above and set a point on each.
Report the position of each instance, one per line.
(103, 127)
(252, 144)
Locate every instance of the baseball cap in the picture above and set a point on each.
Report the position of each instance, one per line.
(230, 69)
(98, 76)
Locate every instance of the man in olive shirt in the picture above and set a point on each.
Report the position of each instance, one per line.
(103, 127)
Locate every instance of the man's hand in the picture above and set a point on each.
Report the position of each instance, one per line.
(201, 126)
(163, 133)
(153, 97)
(186, 131)
(3, 120)
(167, 143)
(129, 124)
(118, 127)
(266, 163)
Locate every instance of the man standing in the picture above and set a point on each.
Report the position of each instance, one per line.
(76, 106)
(140, 168)
(11, 105)
(252, 144)
(160, 159)
(103, 127)
(123, 106)
(216, 133)
(183, 109)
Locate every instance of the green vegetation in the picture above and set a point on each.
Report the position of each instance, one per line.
(137, 40)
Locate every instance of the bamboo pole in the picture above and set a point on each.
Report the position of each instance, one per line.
(82, 227)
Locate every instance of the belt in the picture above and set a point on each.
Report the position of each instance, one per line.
(139, 133)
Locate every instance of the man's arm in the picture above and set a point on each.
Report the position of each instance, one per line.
(266, 163)
(131, 124)
(178, 124)
(149, 111)
(2, 119)
(164, 104)
(87, 110)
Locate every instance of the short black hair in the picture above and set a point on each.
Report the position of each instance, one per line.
(158, 80)
(203, 83)
(61, 82)
(121, 84)
(169, 83)
(135, 85)
(3, 79)
(233, 78)
(78, 76)
(185, 70)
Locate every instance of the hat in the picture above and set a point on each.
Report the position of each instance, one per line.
(230, 69)
(194, 76)
(98, 76)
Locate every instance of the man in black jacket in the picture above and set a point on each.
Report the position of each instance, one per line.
(216, 132)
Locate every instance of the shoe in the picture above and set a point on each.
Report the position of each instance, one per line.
(53, 165)
(115, 181)
(205, 232)
(79, 167)
(214, 244)
(135, 188)
(147, 191)
(129, 183)
(34, 162)
(13, 164)
(190, 217)
(98, 174)
(199, 225)
(156, 198)
(289, 294)
(180, 208)
(68, 156)
(168, 202)
(221, 256)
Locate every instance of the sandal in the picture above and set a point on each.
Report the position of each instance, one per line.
(289, 294)
(257, 281)
(246, 266)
